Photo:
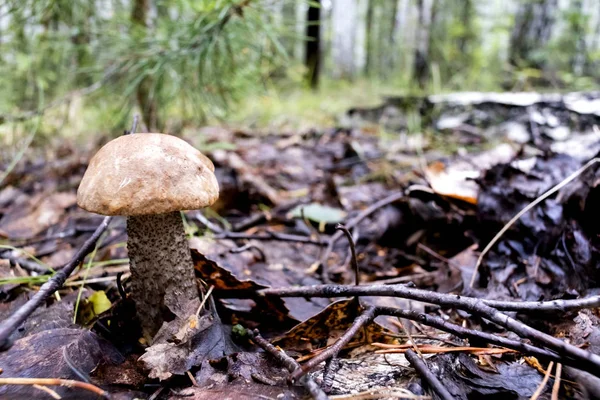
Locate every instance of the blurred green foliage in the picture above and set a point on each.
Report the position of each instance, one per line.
(201, 55)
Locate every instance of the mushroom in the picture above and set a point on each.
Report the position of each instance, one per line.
(150, 178)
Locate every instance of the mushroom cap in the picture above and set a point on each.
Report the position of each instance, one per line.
(147, 173)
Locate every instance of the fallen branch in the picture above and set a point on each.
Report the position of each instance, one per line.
(288, 362)
(404, 291)
(332, 351)
(9, 325)
(588, 361)
(438, 323)
(351, 224)
(428, 376)
(55, 382)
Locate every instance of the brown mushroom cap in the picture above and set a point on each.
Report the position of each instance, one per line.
(147, 173)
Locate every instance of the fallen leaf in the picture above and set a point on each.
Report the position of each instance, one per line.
(43, 211)
(326, 327)
(318, 213)
(49, 353)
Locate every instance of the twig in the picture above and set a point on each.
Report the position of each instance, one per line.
(134, 125)
(346, 232)
(423, 370)
(9, 325)
(24, 263)
(556, 386)
(588, 361)
(531, 205)
(543, 383)
(283, 237)
(363, 319)
(399, 290)
(289, 363)
(50, 392)
(377, 394)
(206, 222)
(465, 333)
(55, 382)
(351, 224)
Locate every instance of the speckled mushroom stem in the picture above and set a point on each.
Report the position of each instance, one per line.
(162, 271)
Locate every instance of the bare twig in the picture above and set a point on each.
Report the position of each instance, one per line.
(531, 205)
(24, 263)
(428, 376)
(351, 224)
(399, 290)
(588, 361)
(290, 364)
(9, 325)
(556, 386)
(56, 382)
(363, 319)
(465, 333)
(346, 232)
(283, 237)
(134, 125)
(543, 383)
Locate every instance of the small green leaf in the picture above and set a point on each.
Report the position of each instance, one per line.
(319, 213)
(99, 302)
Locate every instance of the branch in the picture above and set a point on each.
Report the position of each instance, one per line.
(399, 290)
(428, 376)
(332, 351)
(56, 382)
(9, 325)
(588, 361)
(289, 363)
(351, 224)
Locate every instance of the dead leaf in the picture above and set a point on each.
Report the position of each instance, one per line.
(326, 327)
(44, 210)
(48, 354)
(180, 345)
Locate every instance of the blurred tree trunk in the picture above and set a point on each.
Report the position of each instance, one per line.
(145, 96)
(360, 41)
(312, 55)
(579, 27)
(465, 42)
(391, 44)
(532, 30)
(369, 46)
(422, 63)
(344, 15)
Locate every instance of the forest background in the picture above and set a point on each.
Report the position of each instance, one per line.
(79, 67)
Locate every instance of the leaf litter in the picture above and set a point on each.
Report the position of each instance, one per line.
(480, 162)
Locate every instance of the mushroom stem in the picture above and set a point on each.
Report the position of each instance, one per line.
(162, 271)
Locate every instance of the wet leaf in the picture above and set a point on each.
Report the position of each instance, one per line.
(50, 353)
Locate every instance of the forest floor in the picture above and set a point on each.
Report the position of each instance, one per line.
(494, 305)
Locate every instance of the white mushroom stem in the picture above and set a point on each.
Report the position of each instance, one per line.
(162, 271)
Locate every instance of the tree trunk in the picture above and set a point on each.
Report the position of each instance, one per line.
(369, 44)
(344, 14)
(421, 62)
(532, 30)
(312, 55)
(145, 90)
